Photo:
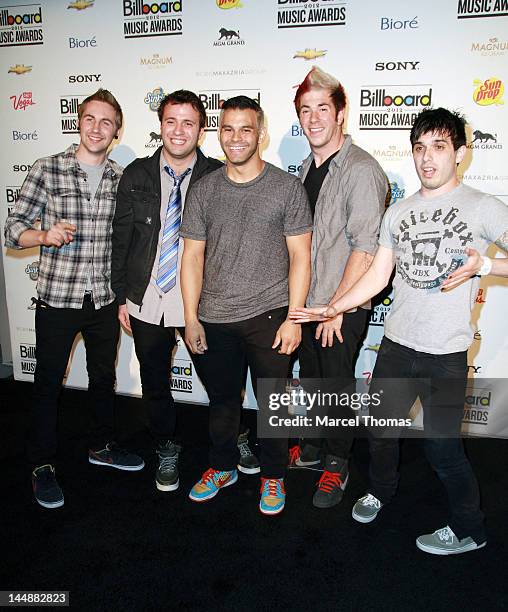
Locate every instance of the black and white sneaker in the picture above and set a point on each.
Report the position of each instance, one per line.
(248, 462)
(114, 456)
(166, 475)
(47, 491)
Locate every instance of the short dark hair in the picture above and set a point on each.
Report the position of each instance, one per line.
(243, 103)
(184, 96)
(103, 95)
(443, 121)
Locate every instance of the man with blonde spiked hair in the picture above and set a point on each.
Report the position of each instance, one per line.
(347, 191)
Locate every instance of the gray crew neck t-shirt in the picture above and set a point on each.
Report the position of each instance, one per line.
(429, 237)
(245, 227)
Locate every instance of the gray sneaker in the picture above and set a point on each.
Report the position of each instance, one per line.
(166, 476)
(248, 462)
(366, 508)
(445, 542)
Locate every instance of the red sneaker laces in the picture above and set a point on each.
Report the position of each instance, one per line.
(329, 481)
(273, 485)
(294, 453)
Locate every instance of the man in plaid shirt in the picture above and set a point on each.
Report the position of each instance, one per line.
(73, 193)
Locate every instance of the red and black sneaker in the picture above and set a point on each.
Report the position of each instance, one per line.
(332, 483)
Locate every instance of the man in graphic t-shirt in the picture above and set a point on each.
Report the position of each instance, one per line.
(247, 231)
(347, 192)
(436, 240)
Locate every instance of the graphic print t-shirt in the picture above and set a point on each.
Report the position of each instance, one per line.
(429, 237)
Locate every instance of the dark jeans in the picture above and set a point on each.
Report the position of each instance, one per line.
(55, 331)
(331, 363)
(442, 398)
(222, 367)
(154, 345)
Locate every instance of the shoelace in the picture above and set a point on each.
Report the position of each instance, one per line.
(244, 449)
(370, 500)
(329, 481)
(445, 534)
(294, 453)
(274, 487)
(168, 464)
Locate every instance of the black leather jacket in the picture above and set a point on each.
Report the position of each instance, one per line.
(136, 224)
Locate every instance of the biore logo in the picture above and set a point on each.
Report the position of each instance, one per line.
(310, 13)
(33, 270)
(181, 376)
(488, 92)
(214, 99)
(297, 130)
(23, 136)
(85, 78)
(387, 23)
(469, 9)
(21, 27)
(142, 20)
(154, 98)
(82, 43)
(22, 101)
(12, 194)
(391, 66)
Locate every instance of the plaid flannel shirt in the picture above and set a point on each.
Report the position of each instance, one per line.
(56, 188)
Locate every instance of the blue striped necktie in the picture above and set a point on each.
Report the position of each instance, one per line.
(168, 259)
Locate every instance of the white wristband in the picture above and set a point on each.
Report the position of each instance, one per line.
(486, 266)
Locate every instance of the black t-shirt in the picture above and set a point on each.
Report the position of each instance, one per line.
(314, 180)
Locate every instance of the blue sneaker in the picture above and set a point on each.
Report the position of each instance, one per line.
(273, 495)
(210, 484)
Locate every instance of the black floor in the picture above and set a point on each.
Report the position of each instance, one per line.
(119, 544)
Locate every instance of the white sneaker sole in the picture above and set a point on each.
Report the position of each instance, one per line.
(364, 519)
(271, 512)
(57, 504)
(440, 551)
(171, 487)
(245, 470)
(125, 468)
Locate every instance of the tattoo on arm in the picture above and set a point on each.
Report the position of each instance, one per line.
(502, 241)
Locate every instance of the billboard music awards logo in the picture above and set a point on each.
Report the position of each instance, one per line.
(154, 98)
(23, 101)
(69, 113)
(27, 358)
(477, 405)
(310, 13)
(19, 69)
(181, 376)
(228, 38)
(488, 92)
(21, 25)
(12, 194)
(379, 313)
(392, 107)
(156, 61)
(484, 140)
(214, 99)
(470, 9)
(492, 47)
(152, 19)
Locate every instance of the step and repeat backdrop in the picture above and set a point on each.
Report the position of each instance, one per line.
(394, 59)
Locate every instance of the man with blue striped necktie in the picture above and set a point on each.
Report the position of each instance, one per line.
(146, 260)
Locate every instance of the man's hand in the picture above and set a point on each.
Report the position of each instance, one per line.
(328, 329)
(317, 313)
(469, 269)
(123, 317)
(195, 338)
(288, 336)
(58, 234)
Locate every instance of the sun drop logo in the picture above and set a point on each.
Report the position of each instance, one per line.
(488, 92)
(228, 4)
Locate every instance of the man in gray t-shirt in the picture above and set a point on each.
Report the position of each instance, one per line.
(436, 240)
(247, 230)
